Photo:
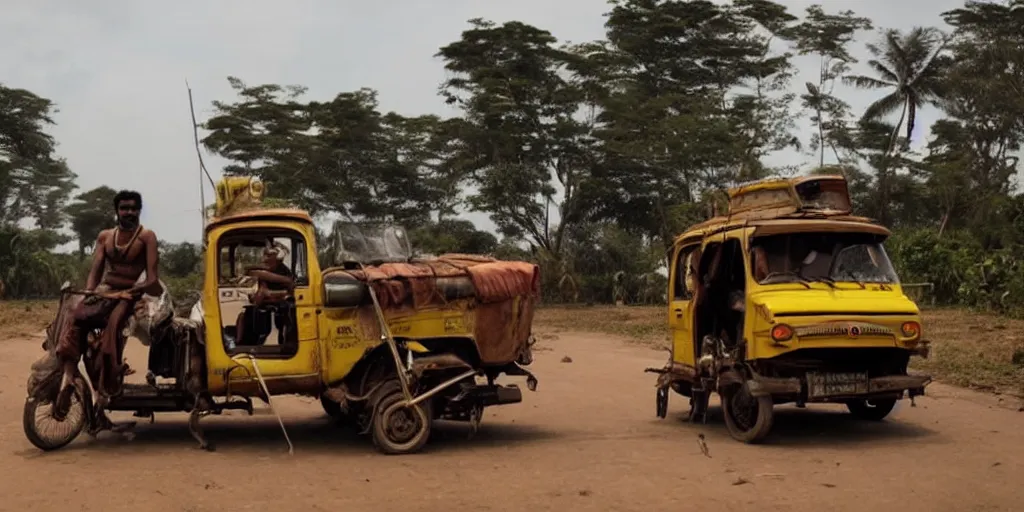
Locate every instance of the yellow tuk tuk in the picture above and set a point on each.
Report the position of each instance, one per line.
(788, 297)
(387, 342)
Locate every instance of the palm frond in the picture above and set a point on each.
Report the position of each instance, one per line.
(884, 106)
(867, 82)
(884, 72)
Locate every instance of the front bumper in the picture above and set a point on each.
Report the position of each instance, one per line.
(808, 390)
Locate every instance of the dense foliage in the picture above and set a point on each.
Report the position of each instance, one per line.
(590, 158)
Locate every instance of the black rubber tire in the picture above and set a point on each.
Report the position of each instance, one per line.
(871, 410)
(28, 421)
(698, 406)
(332, 408)
(387, 401)
(765, 416)
(661, 402)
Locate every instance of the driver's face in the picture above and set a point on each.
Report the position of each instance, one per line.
(269, 259)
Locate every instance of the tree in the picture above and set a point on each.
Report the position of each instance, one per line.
(340, 156)
(369, 166)
(265, 134)
(974, 156)
(34, 183)
(452, 236)
(34, 188)
(690, 97)
(90, 213)
(180, 260)
(828, 36)
(519, 137)
(912, 66)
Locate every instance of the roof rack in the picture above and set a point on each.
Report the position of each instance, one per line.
(777, 197)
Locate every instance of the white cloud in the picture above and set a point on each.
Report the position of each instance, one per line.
(116, 69)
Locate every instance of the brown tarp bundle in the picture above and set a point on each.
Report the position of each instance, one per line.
(501, 330)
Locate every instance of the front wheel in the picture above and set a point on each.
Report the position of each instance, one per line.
(871, 410)
(398, 429)
(748, 418)
(49, 429)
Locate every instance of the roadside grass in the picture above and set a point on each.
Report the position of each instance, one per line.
(973, 350)
(21, 318)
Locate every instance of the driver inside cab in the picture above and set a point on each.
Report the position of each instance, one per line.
(274, 287)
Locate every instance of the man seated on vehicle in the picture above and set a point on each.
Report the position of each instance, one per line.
(274, 286)
(120, 257)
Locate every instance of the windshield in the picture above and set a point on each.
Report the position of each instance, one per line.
(368, 243)
(821, 257)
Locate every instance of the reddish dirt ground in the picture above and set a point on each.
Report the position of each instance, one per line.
(586, 440)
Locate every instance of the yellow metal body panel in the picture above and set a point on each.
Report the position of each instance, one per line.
(346, 339)
(820, 316)
(306, 363)
(331, 340)
(680, 308)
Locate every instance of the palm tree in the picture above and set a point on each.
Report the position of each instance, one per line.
(913, 67)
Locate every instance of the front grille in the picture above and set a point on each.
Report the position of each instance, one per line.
(844, 329)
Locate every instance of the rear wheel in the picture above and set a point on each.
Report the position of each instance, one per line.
(748, 418)
(871, 410)
(398, 429)
(49, 427)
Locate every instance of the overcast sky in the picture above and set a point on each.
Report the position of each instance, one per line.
(117, 70)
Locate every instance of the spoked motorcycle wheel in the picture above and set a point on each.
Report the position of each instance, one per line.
(49, 427)
(398, 429)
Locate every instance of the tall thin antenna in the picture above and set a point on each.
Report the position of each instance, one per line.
(202, 166)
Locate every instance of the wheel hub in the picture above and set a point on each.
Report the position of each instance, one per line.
(744, 409)
(62, 404)
(401, 424)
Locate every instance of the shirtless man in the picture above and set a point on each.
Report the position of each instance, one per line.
(120, 257)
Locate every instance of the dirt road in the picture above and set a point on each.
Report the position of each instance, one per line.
(586, 440)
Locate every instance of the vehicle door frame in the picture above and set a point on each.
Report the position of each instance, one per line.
(717, 242)
(681, 295)
(282, 373)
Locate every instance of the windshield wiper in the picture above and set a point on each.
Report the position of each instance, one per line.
(823, 279)
(789, 273)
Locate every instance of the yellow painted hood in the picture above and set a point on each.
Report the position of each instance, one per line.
(843, 300)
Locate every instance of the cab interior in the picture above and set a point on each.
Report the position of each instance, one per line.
(270, 329)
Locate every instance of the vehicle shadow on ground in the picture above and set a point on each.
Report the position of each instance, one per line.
(794, 427)
(263, 435)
